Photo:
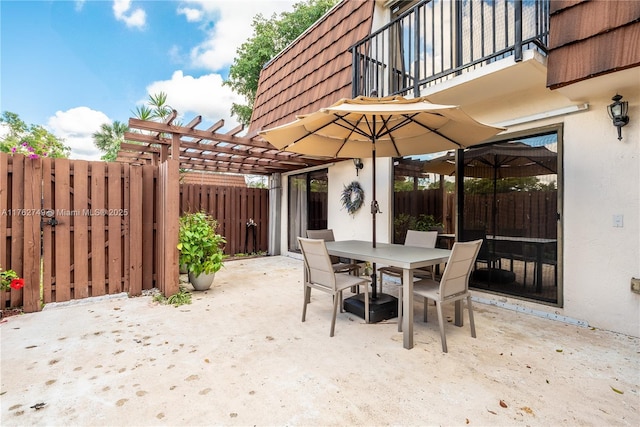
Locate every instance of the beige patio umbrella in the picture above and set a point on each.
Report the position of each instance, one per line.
(380, 127)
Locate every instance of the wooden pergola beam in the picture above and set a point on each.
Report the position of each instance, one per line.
(195, 133)
(208, 150)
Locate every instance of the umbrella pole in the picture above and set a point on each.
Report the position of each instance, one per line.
(374, 211)
(374, 202)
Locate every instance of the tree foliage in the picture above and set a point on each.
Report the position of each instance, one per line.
(156, 108)
(110, 136)
(270, 36)
(31, 140)
(506, 185)
(482, 185)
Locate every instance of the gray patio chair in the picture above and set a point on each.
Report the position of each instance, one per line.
(420, 239)
(453, 286)
(319, 274)
(338, 265)
(486, 254)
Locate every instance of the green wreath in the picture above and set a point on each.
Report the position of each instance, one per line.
(352, 197)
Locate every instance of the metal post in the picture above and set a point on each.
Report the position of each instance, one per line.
(517, 53)
(355, 71)
(416, 56)
(459, 193)
(458, 35)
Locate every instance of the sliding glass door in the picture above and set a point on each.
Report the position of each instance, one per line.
(510, 199)
(307, 205)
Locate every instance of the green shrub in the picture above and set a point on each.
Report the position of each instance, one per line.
(201, 248)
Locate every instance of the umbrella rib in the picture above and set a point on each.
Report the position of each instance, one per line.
(456, 143)
(388, 132)
(541, 165)
(306, 135)
(336, 122)
(409, 118)
(352, 127)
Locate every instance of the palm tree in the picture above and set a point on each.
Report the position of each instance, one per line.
(156, 108)
(109, 138)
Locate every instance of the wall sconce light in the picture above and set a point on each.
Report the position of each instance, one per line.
(358, 164)
(618, 113)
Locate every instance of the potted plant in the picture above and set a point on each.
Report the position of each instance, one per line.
(201, 248)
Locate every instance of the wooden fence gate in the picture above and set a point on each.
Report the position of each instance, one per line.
(75, 229)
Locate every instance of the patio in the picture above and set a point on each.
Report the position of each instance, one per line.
(239, 355)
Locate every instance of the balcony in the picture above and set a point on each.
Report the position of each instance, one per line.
(438, 40)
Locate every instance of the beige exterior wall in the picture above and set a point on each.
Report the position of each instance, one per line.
(602, 179)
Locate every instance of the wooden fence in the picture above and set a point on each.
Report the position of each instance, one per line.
(534, 213)
(75, 229)
(234, 208)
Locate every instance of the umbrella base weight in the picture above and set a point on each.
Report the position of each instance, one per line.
(498, 276)
(382, 308)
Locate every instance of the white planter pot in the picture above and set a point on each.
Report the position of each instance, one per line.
(201, 282)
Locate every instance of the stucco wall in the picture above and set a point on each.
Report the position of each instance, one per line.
(602, 179)
(360, 226)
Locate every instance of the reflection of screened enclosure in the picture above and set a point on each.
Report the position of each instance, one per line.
(307, 205)
(510, 200)
(439, 39)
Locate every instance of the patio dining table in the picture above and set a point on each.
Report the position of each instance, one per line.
(407, 258)
(538, 243)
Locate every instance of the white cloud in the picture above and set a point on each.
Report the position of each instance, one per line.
(232, 27)
(135, 18)
(192, 14)
(76, 126)
(192, 96)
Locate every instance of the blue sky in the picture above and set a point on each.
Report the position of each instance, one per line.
(72, 65)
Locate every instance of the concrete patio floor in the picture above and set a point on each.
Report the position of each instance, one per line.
(239, 355)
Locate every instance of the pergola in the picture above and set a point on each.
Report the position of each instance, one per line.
(207, 150)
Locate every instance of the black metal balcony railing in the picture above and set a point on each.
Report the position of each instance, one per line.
(437, 40)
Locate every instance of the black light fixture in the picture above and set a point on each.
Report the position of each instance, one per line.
(618, 113)
(358, 164)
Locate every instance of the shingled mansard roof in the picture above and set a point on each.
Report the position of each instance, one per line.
(315, 70)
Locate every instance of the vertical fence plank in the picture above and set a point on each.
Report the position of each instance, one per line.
(148, 226)
(135, 231)
(32, 242)
(14, 224)
(114, 232)
(160, 232)
(47, 232)
(168, 214)
(98, 204)
(80, 229)
(171, 225)
(124, 225)
(5, 222)
(62, 231)
(12, 214)
(263, 222)
(19, 233)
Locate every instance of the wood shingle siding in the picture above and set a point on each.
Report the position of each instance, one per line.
(315, 70)
(591, 38)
